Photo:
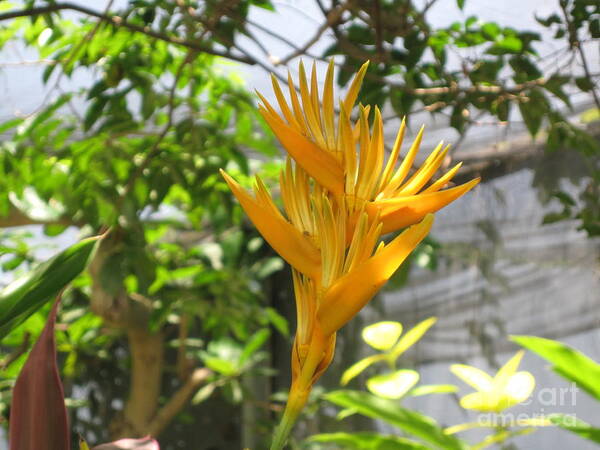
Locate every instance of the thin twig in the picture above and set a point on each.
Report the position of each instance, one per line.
(16, 353)
(156, 146)
(575, 43)
(177, 401)
(332, 18)
(120, 22)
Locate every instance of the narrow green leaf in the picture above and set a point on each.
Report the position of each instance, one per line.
(567, 362)
(367, 441)
(412, 336)
(358, 367)
(27, 294)
(427, 389)
(423, 427)
(577, 426)
(254, 344)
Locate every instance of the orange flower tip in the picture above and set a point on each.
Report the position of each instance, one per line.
(234, 185)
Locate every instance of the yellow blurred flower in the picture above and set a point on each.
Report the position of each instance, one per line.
(508, 388)
(339, 199)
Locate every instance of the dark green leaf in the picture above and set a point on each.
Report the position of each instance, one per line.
(534, 110)
(584, 83)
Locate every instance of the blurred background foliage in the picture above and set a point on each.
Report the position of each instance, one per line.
(181, 314)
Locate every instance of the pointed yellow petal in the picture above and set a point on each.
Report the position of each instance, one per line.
(348, 145)
(364, 142)
(425, 172)
(355, 87)
(296, 104)
(347, 296)
(391, 162)
(314, 93)
(266, 105)
(309, 112)
(328, 112)
(319, 164)
(405, 166)
(401, 212)
(292, 245)
(443, 180)
(375, 159)
(283, 105)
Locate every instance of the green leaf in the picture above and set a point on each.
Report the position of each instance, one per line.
(393, 385)
(427, 389)
(203, 393)
(501, 436)
(10, 124)
(509, 44)
(412, 336)
(254, 344)
(358, 367)
(382, 335)
(278, 321)
(555, 85)
(460, 4)
(389, 411)
(27, 294)
(584, 83)
(567, 362)
(576, 426)
(367, 441)
(490, 30)
(221, 366)
(534, 110)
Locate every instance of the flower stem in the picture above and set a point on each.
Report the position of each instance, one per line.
(296, 401)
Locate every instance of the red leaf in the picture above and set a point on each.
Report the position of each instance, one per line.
(38, 417)
(130, 444)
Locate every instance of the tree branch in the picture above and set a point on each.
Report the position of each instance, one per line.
(120, 22)
(333, 17)
(177, 401)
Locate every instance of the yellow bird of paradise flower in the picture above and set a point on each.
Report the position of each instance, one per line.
(339, 199)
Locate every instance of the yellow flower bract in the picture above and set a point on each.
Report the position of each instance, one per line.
(340, 195)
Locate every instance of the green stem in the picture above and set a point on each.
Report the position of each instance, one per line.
(283, 430)
(296, 401)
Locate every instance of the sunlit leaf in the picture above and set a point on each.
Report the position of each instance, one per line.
(577, 426)
(567, 362)
(367, 441)
(393, 385)
(428, 389)
(411, 422)
(24, 296)
(358, 367)
(412, 336)
(130, 444)
(382, 335)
